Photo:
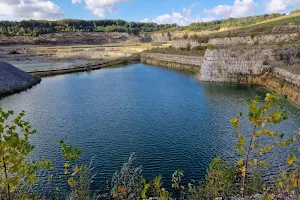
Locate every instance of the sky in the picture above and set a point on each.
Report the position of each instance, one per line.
(181, 12)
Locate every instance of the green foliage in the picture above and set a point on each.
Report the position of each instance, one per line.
(176, 178)
(295, 11)
(290, 181)
(210, 46)
(70, 154)
(81, 189)
(220, 178)
(259, 115)
(230, 22)
(255, 183)
(252, 35)
(38, 27)
(256, 42)
(16, 171)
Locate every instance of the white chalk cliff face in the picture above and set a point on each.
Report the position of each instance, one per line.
(225, 65)
(255, 66)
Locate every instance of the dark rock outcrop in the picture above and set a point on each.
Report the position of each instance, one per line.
(14, 80)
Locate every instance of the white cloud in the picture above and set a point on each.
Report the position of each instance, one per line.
(176, 18)
(30, 9)
(76, 1)
(100, 8)
(145, 20)
(240, 8)
(187, 11)
(274, 6)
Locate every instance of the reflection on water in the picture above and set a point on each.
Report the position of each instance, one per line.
(168, 118)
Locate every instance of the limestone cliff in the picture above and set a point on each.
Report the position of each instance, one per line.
(190, 63)
(262, 67)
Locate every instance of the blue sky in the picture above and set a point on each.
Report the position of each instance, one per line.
(181, 12)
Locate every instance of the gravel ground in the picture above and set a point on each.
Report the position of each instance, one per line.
(13, 79)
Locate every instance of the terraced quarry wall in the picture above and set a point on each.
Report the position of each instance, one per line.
(266, 60)
(190, 63)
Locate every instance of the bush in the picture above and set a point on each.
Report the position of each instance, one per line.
(256, 42)
(13, 52)
(220, 178)
(210, 46)
(126, 183)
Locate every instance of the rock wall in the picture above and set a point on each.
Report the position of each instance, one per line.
(84, 38)
(262, 39)
(188, 43)
(254, 66)
(225, 65)
(190, 63)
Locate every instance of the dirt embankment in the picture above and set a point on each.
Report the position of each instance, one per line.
(95, 38)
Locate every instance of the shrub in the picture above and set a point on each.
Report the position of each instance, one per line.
(185, 36)
(252, 35)
(266, 60)
(17, 173)
(220, 178)
(210, 46)
(259, 115)
(13, 52)
(126, 183)
(256, 42)
(295, 11)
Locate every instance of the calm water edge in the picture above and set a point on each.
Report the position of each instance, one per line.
(170, 120)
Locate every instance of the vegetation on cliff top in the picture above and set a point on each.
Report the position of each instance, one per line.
(39, 27)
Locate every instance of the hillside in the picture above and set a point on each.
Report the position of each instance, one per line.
(280, 24)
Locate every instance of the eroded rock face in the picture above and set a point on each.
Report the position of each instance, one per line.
(255, 40)
(253, 66)
(13, 79)
(189, 63)
(226, 65)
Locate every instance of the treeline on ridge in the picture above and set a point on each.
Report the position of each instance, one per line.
(39, 27)
(216, 25)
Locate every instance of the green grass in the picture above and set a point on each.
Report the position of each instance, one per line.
(261, 28)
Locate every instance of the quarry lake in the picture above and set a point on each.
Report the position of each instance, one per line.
(169, 119)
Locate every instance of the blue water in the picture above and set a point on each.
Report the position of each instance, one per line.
(168, 118)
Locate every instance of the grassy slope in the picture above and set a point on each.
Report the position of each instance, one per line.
(264, 27)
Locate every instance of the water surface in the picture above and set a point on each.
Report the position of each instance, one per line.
(168, 118)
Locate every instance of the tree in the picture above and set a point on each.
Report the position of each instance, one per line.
(17, 172)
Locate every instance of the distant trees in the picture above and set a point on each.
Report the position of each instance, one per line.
(38, 27)
(231, 22)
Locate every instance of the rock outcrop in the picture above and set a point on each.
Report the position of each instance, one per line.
(189, 63)
(253, 67)
(14, 80)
